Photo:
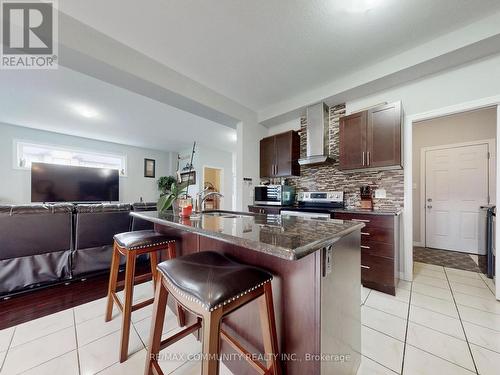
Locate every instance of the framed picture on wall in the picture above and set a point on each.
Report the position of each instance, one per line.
(185, 177)
(149, 168)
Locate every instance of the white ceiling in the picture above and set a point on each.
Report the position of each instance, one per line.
(45, 99)
(262, 52)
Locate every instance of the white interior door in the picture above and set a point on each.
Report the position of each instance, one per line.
(456, 186)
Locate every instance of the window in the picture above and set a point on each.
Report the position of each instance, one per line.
(27, 153)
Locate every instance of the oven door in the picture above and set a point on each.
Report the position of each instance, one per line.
(310, 215)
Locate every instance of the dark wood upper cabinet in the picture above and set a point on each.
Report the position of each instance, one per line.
(267, 147)
(372, 138)
(384, 136)
(353, 141)
(279, 155)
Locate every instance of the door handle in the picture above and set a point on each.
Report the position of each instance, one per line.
(365, 247)
(365, 267)
(363, 156)
(429, 199)
(368, 158)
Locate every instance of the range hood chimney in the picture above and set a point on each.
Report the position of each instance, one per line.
(317, 135)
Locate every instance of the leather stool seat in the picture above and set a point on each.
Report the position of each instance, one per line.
(141, 239)
(212, 279)
(132, 245)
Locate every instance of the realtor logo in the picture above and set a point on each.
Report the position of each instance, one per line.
(29, 35)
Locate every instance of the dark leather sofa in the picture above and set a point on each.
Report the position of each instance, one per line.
(42, 244)
(95, 226)
(35, 245)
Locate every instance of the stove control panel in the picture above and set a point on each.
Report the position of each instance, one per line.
(320, 196)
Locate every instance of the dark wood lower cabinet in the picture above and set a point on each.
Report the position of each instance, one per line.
(314, 313)
(379, 250)
(268, 210)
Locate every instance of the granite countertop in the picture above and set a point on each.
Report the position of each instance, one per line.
(333, 210)
(287, 237)
(367, 211)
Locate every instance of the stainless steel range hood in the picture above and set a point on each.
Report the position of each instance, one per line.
(317, 135)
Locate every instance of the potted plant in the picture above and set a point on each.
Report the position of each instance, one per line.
(165, 184)
(171, 196)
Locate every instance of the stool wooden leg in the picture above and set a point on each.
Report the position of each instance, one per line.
(157, 321)
(127, 304)
(171, 250)
(211, 342)
(268, 325)
(171, 254)
(153, 258)
(113, 278)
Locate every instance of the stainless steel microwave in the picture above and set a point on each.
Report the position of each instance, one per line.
(274, 195)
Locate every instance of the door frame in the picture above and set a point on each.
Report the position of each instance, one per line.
(423, 176)
(221, 169)
(406, 263)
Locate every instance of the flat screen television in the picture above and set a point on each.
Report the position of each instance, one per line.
(67, 183)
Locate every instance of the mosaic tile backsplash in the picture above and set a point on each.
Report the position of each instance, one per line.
(324, 177)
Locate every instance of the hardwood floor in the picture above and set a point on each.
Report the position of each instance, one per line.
(38, 303)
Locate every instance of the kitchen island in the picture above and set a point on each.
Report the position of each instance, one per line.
(316, 285)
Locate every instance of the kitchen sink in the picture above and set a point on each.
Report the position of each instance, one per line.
(228, 214)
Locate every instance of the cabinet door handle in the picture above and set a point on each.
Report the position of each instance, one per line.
(365, 247)
(368, 158)
(365, 267)
(361, 220)
(363, 153)
(365, 233)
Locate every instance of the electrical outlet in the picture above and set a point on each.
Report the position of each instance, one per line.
(380, 194)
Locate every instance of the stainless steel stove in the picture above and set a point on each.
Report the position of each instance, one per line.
(316, 204)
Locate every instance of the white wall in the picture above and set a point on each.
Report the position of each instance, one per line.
(463, 127)
(249, 136)
(455, 87)
(16, 185)
(207, 157)
(473, 81)
(467, 83)
(281, 128)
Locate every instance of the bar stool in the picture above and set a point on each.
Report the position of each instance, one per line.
(131, 245)
(211, 286)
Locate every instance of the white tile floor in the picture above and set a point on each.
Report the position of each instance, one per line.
(78, 342)
(445, 322)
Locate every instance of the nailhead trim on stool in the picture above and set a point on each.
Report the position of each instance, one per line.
(150, 245)
(204, 305)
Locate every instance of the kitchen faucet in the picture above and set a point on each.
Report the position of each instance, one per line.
(202, 196)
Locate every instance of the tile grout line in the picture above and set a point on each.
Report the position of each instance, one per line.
(443, 359)
(8, 348)
(377, 362)
(383, 333)
(40, 337)
(487, 286)
(406, 331)
(462, 325)
(374, 308)
(77, 346)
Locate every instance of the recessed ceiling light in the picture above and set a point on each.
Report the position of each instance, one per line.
(85, 111)
(360, 6)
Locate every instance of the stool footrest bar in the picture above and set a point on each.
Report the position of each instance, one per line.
(142, 304)
(259, 367)
(178, 336)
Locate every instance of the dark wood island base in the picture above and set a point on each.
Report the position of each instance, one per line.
(316, 301)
